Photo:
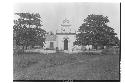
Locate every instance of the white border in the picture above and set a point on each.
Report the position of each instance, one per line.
(6, 21)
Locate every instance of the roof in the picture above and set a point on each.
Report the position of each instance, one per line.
(50, 37)
(65, 33)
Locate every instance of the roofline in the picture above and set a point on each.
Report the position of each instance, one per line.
(65, 33)
(65, 25)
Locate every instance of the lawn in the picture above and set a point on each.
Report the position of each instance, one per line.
(63, 66)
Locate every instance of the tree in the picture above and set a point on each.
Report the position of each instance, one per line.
(27, 30)
(95, 31)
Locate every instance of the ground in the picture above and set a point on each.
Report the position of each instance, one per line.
(64, 66)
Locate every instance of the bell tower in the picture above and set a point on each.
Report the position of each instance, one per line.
(65, 27)
(65, 36)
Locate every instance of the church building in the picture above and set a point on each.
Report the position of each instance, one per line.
(63, 39)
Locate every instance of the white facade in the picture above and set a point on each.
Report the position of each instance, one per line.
(61, 41)
(47, 45)
(50, 42)
(66, 36)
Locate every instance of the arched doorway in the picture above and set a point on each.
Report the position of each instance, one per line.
(65, 44)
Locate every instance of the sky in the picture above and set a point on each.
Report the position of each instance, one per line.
(52, 14)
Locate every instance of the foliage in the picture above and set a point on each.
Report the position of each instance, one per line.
(111, 51)
(95, 31)
(27, 31)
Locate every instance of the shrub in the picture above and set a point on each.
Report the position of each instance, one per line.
(111, 50)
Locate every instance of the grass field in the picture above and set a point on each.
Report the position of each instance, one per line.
(62, 66)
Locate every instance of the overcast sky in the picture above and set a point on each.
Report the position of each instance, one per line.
(53, 14)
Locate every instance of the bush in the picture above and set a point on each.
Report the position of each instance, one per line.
(111, 50)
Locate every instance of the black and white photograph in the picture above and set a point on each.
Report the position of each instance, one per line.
(67, 42)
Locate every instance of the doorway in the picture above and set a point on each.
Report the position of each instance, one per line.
(51, 45)
(65, 44)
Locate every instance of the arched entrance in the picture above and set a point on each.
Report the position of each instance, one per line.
(65, 44)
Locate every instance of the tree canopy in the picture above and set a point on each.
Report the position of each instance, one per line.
(27, 30)
(95, 31)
